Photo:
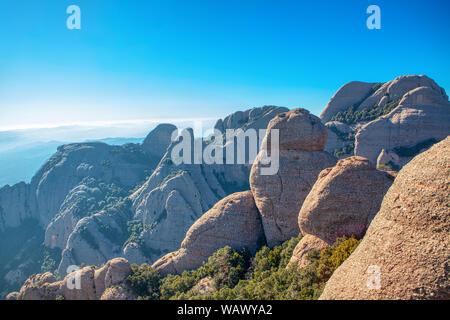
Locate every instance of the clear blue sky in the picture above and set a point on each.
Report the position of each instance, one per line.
(205, 58)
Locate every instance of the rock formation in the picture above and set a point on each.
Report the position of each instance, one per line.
(233, 221)
(404, 117)
(342, 202)
(405, 253)
(79, 180)
(158, 140)
(89, 283)
(175, 196)
(422, 114)
(279, 197)
(352, 93)
(256, 118)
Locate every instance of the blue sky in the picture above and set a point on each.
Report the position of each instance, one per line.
(170, 59)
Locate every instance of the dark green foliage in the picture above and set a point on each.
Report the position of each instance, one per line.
(145, 281)
(107, 231)
(353, 115)
(88, 237)
(345, 150)
(97, 196)
(225, 267)
(342, 135)
(50, 259)
(414, 150)
(133, 153)
(235, 275)
(135, 228)
(167, 161)
(332, 257)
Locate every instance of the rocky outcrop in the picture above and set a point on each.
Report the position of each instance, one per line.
(176, 195)
(256, 118)
(158, 140)
(341, 139)
(125, 165)
(405, 253)
(342, 202)
(233, 221)
(307, 243)
(78, 181)
(119, 292)
(97, 238)
(422, 114)
(404, 117)
(279, 197)
(349, 94)
(89, 283)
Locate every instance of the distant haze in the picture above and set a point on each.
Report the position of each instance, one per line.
(24, 151)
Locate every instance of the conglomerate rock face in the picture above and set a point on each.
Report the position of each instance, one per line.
(176, 195)
(342, 202)
(400, 118)
(279, 197)
(88, 283)
(423, 114)
(233, 221)
(405, 252)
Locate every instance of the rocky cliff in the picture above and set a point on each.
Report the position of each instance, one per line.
(175, 196)
(91, 202)
(233, 221)
(279, 197)
(78, 181)
(95, 203)
(342, 202)
(405, 253)
(388, 123)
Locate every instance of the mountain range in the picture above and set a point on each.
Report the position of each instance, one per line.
(105, 205)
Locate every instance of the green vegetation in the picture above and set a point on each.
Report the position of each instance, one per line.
(236, 275)
(384, 167)
(342, 135)
(345, 150)
(107, 231)
(88, 237)
(167, 161)
(353, 115)
(135, 228)
(133, 153)
(24, 251)
(172, 175)
(50, 259)
(96, 196)
(145, 281)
